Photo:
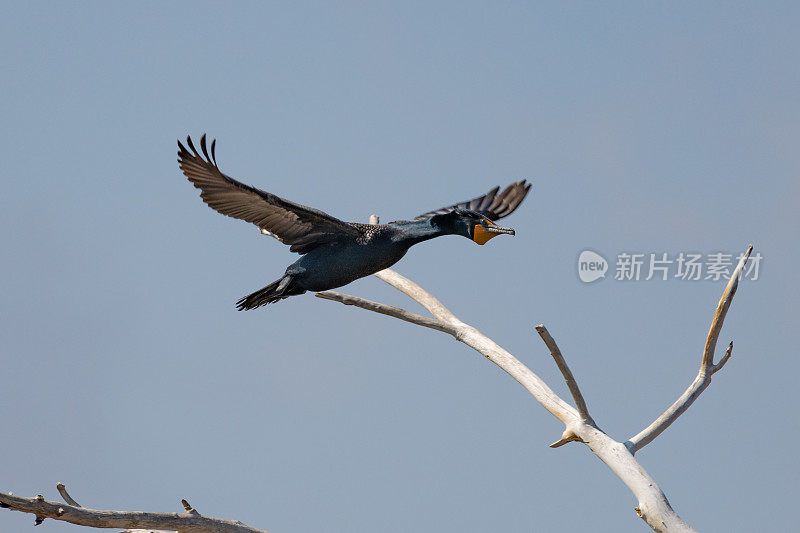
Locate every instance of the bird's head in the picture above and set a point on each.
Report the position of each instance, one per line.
(469, 224)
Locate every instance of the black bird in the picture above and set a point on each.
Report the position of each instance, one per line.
(334, 252)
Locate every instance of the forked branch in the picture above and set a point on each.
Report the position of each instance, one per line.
(707, 366)
(653, 506)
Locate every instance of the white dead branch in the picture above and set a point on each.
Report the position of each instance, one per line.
(653, 506)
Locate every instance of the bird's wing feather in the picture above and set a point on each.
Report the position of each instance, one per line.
(492, 205)
(304, 228)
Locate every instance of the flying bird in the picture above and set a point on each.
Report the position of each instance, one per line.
(334, 252)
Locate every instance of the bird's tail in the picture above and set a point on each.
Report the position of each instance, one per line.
(277, 290)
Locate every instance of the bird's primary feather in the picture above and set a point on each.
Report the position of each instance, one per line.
(304, 228)
(492, 205)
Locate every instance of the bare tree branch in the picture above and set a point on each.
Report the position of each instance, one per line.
(725, 358)
(384, 309)
(62, 489)
(574, 390)
(653, 508)
(415, 292)
(707, 366)
(722, 310)
(188, 522)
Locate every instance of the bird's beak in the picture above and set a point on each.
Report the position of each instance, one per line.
(483, 233)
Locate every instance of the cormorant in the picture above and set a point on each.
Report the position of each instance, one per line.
(334, 252)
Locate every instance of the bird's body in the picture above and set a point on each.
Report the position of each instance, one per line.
(376, 248)
(335, 253)
(332, 265)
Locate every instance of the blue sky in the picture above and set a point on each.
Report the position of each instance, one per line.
(128, 374)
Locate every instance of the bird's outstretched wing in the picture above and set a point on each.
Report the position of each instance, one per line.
(304, 228)
(492, 205)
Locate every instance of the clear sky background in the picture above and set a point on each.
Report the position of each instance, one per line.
(127, 373)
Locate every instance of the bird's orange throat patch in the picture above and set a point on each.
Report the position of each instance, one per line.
(481, 236)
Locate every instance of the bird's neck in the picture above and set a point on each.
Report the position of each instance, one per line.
(420, 230)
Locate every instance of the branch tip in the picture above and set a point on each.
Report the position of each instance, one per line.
(724, 359)
(567, 436)
(62, 489)
(562, 441)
